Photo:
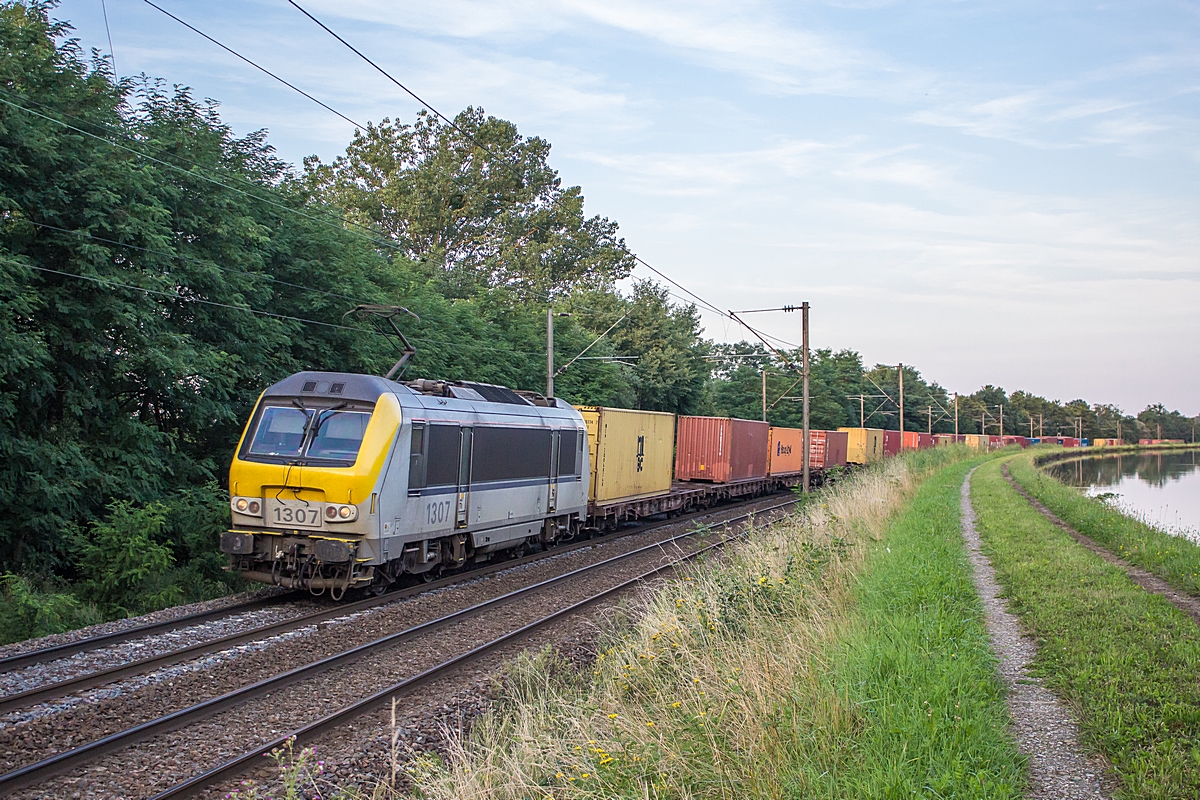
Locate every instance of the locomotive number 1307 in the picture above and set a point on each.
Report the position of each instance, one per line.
(438, 513)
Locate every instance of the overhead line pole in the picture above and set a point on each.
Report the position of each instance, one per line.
(901, 370)
(807, 433)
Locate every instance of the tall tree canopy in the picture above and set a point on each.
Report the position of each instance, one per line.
(476, 201)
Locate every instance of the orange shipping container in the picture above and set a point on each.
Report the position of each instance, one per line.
(911, 440)
(720, 449)
(785, 453)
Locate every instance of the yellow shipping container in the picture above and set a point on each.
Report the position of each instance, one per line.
(633, 453)
(863, 445)
(978, 441)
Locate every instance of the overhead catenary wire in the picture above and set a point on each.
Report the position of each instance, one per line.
(181, 257)
(257, 66)
(704, 303)
(109, 282)
(363, 231)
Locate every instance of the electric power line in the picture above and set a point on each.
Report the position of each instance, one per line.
(493, 154)
(258, 67)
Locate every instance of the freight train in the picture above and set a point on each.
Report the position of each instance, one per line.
(347, 482)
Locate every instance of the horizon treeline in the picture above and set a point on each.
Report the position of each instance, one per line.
(158, 272)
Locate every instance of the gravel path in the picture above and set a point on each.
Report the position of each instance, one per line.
(1044, 728)
(1148, 581)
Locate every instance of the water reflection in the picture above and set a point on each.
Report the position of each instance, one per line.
(1162, 489)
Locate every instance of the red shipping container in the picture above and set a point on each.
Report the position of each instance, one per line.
(720, 449)
(995, 442)
(827, 449)
(1070, 441)
(891, 443)
(836, 445)
(910, 441)
(924, 440)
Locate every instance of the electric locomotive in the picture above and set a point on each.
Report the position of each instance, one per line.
(344, 481)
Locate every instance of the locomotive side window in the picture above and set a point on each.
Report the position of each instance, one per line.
(567, 452)
(441, 463)
(505, 454)
(416, 457)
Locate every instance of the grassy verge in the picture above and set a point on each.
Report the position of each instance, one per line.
(1125, 658)
(811, 660)
(1172, 558)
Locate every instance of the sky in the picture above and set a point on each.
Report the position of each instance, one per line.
(995, 193)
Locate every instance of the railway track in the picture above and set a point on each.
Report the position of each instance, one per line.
(41, 770)
(55, 652)
(62, 688)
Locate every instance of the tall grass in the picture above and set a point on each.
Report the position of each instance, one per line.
(718, 684)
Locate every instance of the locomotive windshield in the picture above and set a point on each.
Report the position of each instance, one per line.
(292, 432)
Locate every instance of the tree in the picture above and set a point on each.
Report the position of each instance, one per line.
(477, 203)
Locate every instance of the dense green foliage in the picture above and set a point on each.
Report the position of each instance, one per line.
(1124, 658)
(158, 272)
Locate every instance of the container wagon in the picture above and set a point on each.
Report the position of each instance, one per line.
(863, 445)
(924, 440)
(891, 443)
(720, 449)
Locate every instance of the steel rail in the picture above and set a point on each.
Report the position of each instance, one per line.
(41, 770)
(55, 652)
(50, 691)
(199, 783)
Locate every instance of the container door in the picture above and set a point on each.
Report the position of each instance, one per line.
(462, 511)
(552, 501)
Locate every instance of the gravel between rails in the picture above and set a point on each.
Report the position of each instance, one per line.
(111, 709)
(1045, 729)
(91, 661)
(174, 612)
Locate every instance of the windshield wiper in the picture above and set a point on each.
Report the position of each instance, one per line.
(323, 415)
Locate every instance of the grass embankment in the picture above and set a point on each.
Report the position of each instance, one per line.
(1172, 558)
(841, 654)
(1125, 658)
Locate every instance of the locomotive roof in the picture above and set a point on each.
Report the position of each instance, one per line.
(340, 386)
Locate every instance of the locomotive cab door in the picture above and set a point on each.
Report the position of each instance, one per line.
(463, 506)
(552, 496)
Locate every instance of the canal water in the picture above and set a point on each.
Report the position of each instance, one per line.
(1161, 489)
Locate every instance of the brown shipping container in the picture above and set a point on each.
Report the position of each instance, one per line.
(891, 443)
(720, 449)
(836, 445)
(785, 451)
(944, 438)
(924, 440)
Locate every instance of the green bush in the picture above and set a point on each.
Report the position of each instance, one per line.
(125, 568)
(38, 608)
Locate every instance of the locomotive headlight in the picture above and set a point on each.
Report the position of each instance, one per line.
(250, 506)
(338, 513)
